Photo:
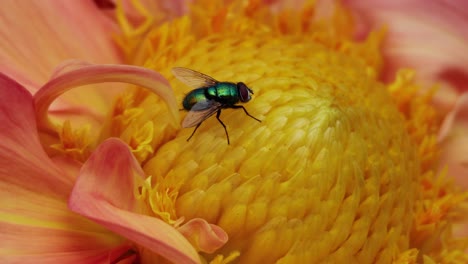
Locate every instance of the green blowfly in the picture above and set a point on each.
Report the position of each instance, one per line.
(209, 97)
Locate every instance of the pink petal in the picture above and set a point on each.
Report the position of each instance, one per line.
(23, 162)
(49, 233)
(165, 9)
(175, 7)
(429, 36)
(453, 137)
(35, 36)
(35, 222)
(456, 119)
(206, 237)
(78, 73)
(105, 4)
(105, 192)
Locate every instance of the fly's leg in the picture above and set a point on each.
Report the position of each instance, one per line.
(194, 131)
(225, 130)
(245, 110)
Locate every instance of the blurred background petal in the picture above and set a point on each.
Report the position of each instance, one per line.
(428, 36)
(36, 36)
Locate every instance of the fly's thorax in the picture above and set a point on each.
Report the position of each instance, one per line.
(194, 97)
(223, 92)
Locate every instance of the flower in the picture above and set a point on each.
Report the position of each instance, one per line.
(343, 167)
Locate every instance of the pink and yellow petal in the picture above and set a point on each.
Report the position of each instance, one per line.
(106, 192)
(37, 36)
(431, 37)
(138, 10)
(22, 160)
(410, 24)
(204, 236)
(34, 220)
(34, 226)
(453, 137)
(33, 42)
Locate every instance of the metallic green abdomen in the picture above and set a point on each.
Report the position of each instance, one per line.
(194, 97)
(223, 92)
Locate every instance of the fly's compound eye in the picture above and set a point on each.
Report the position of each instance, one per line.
(244, 92)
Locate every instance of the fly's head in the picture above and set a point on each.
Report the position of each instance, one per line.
(244, 92)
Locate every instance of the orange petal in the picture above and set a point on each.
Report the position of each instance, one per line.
(429, 36)
(105, 192)
(78, 73)
(204, 236)
(35, 222)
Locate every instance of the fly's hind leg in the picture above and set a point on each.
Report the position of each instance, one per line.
(225, 130)
(194, 131)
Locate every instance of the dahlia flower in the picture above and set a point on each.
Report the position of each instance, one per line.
(360, 156)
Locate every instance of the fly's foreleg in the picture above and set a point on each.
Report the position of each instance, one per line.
(245, 110)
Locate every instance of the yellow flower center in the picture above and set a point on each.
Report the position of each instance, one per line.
(328, 174)
(333, 173)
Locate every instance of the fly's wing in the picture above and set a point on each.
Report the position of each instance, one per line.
(193, 78)
(200, 112)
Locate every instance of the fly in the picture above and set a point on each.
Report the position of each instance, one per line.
(209, 97)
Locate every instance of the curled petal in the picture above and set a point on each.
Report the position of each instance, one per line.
(105, 192)
(78, 73)
(204, 236)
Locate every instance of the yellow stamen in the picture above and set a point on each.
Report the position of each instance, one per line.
(139, 140)
(127, 27)
(74, 143)
(220, 259)
(162, 198)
